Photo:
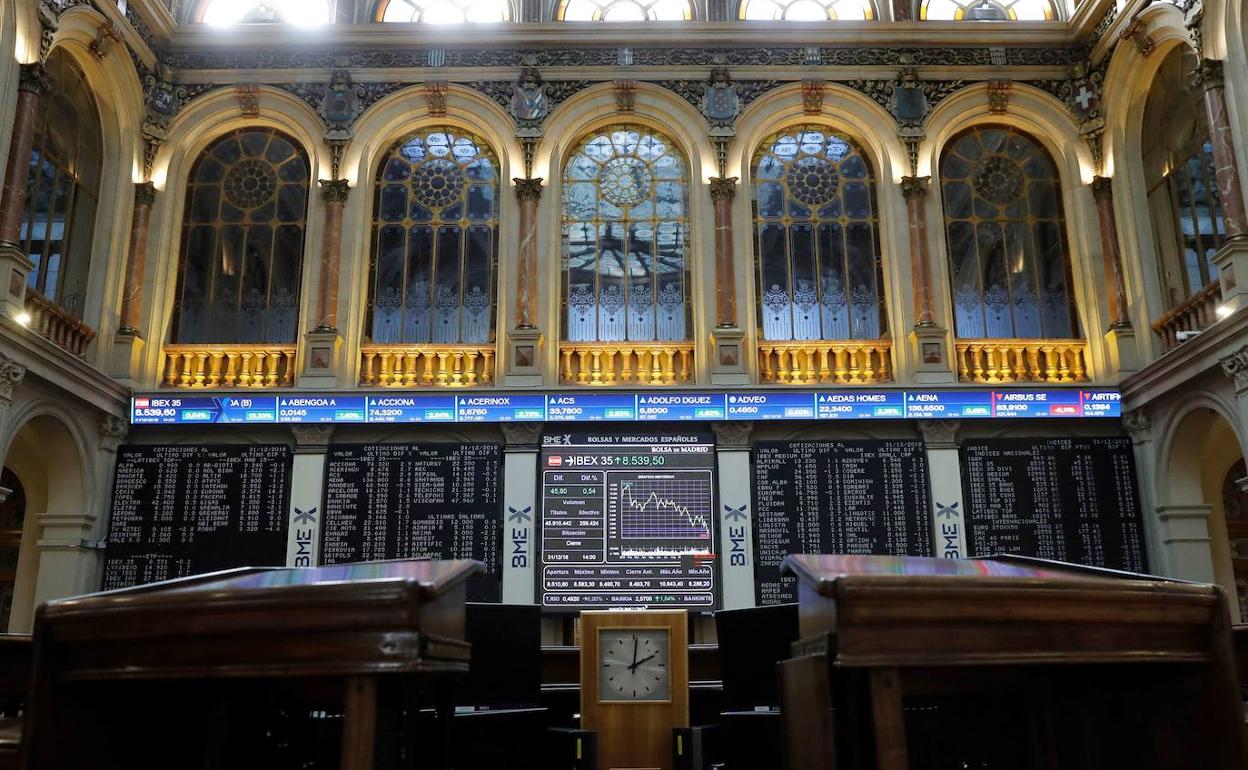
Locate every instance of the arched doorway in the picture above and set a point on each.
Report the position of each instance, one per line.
(12, 519)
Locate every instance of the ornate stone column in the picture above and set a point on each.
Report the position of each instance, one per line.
(723, 191)
(132, 295)
(1103, 193)
(14, 264)
(335, 193)
(1230, 191)
(914, 189)
(528, 193)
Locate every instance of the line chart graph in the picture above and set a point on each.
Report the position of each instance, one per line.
(667, 508)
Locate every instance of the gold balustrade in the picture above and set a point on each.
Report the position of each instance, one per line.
(614, 363)
(841, 362)
(411, 366)
(1197, 313)
(229, 366)
(56, 324)
(1022, 360)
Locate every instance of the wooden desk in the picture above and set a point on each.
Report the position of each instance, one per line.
(1021, 665)
(179, 668)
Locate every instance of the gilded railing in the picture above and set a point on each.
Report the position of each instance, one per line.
(1197, 313)
(1022, 360)
(56, 324)
(614, 363)
(229, 366)
(413, 366)
(811, 362)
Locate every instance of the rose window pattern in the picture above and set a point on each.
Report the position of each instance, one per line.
(806, 10)
(987, 10)
(817, 247)
(433, 269)
(242, 241)
(625, 232)
(445, 11)
(1006, 236)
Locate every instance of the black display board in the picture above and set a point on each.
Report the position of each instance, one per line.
(1069, 499)
(413, 501)
(869, 498)
(185, 510)
(628, 521)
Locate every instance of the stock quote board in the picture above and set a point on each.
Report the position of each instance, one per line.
(1068, 499)
(185, 510)
(412, 501)
(869, 498)
(628, 521)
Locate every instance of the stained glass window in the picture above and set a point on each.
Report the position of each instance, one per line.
(435, 233)
(1007, 237)
(300, 12)
(624, 10)
(807, 10)
(987, 10)
(1198, 216)
(242, 241)
(445, 11)
(63, 187)
(816, 246)
(625, 233)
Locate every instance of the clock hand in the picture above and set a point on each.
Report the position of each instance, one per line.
(636, 664)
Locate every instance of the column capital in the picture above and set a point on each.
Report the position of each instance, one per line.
(33, 78)
(940, 434)
(144, 193)
(528, 189)
(915, 187)
(525, 435)
(1139, 426)
(723, 188)
(1102, 188)
(113, 431)
(1209, 74)
(312, 439)
(335, 190)
(11, 375)
(732, 435)
(1234, 366)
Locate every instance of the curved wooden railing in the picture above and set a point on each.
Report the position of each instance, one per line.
(229, 366)
(615, 363)
(411, 366)
(1022, 360)
(841, 362)
(56, 324)
(1197, 313)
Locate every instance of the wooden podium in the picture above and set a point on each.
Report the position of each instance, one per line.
(930, 663)
(176, 674)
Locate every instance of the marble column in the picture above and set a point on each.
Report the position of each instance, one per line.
(132, 296)
(335, 193)
(32, 83)
(914, 189)
(528, 193)
(1230, 191)
(723, 191)
(1102, 192)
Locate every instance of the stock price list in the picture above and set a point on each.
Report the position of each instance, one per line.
(185, 510)
(415, 501)
(627, 521)
(1069, 499)
(836, 497)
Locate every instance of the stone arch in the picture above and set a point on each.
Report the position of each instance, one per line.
(662, 110)
(377, 129)
(47, 452)
(1199, 445)
(200, 123)
(1045, 119)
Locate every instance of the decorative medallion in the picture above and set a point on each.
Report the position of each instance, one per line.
(999, 180)
(812, 180)
(437, 183)
(250, 184)
(626, 182)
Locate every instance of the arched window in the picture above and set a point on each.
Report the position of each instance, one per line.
(435, 233)
(624, 10)
(64, 185)
(1182, 184)
(625, 233)
(806, 10)
(444, 11)
(987, 10)
(299, 12)
(1007, 237)
(242, 241)
(817, 248)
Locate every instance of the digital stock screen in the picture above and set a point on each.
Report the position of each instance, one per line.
(628, 521)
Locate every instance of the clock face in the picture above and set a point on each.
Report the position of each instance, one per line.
(635, 665)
